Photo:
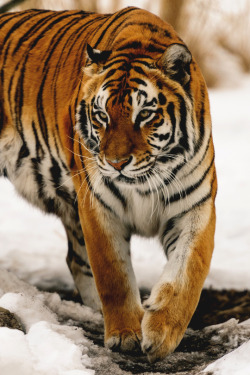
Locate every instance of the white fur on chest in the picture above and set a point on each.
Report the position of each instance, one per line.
(144, 213)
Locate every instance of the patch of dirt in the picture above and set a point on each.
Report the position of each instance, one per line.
(217, 306)
(8, 319)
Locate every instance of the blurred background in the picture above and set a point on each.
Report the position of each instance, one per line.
(216, 31)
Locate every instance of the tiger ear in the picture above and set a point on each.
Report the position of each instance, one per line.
(96, 56)
(96, 60)
(175, 62)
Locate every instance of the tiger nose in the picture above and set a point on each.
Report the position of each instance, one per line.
(118, 165)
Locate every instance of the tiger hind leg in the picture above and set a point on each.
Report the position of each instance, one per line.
(77, 260)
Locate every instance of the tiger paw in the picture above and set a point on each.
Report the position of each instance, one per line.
(160, 335)
(126, 340)
(123, 329)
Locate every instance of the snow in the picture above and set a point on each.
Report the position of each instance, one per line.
(33, 252)
(49, 346)
(230, 364)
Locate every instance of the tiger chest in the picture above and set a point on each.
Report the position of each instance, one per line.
(142, 214)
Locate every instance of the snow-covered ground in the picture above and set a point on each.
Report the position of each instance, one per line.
(33, 249)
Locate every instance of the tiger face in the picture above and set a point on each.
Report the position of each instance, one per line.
(129, 120)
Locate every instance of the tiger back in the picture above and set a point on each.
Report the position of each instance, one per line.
(105, 122)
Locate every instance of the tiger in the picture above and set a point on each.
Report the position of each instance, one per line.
(105, 122)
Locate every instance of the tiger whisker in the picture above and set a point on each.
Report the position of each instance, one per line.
(157, 193)
(163, 188)
(84, 146)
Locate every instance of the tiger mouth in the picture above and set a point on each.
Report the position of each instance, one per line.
(131, 180)
(137, 179)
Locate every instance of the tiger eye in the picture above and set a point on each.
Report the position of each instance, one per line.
(145, 113)
(103, 116)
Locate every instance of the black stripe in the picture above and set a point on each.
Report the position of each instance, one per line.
(50, 205)
(6, 54)
(19, 87)
(154, 146)
(172, 222)
(56, 175)
(23, 153)
(162, 99)
(111, 21)
(33, 29)
(139, 81)
(162, 137)
(163, 33)
(54, 43)
(10, 16)
(201, 121)
(139, 70)
(153, 48)
(97, 196)
(123, 59)
(169, 226)
(71, 135)
(116, 192)
(80, 153)
(202, 158)
(171, 243)
(133, 45)
(39, 150)
(110, 73)
(60, 17)
(111, 82)
(193, 187)
(78, 33)
(57, 37)
(72, 255)
(170, 111)
(17, 25)
(150, 103)
(19, 104)
(183, 123)
(157, 125)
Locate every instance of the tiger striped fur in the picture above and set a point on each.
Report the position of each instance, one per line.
(105, 122)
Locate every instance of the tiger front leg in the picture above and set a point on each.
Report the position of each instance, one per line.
(174, 298)
(109, 256)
